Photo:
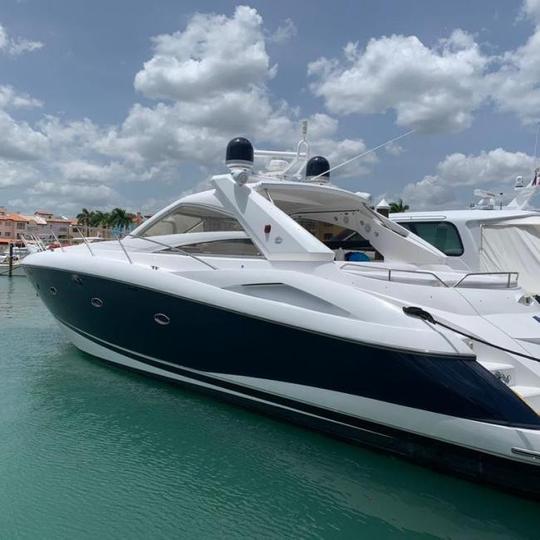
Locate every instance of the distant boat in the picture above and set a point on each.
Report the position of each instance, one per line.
(19, 253)
(487, 237)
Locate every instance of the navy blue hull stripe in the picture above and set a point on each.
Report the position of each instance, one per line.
(212, 340)
(235, 387)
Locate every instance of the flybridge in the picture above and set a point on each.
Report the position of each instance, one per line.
(266, 204)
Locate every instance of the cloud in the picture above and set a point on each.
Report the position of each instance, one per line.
(212, 55)
(11, 99)
(394, 149)
(531, 9)
(19, 141)
(284, 32)
(494, 170)
(205, 83)
(15, 173)
(430, 89)
(16, 46)
(213, 76)
(515, 86)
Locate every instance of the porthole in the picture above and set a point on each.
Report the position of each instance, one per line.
(52, 290)
(162, 319)
(76, 279)
(96, 302)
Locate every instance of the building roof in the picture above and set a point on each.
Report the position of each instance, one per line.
(39, 220)
(12, 216)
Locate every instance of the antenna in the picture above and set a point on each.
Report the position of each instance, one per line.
(536, 145)
(365, 153)
(303, 146)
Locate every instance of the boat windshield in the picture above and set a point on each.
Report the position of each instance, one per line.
(192, 219)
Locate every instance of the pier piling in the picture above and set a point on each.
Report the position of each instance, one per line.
(10, 260)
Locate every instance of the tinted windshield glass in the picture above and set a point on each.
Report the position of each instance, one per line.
(232, 247)
(441, 234)
(186, 219)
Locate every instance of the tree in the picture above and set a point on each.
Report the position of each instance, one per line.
(98, 219)
(85, 218)
(398, 206)
(119, 218)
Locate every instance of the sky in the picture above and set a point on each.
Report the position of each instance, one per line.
(131, 103)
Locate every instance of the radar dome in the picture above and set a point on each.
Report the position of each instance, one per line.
(239, 153)
(318, 166)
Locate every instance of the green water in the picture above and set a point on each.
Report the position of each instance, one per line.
(89, 451)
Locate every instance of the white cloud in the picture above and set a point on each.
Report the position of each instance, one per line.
(212, 55)
(10, 98)
(213, 77)
(284, 32)
(515, 86)
(394, 149)
(16, 46)
(531, 9)
(431, 89)
(494, 170)
(216, 73)
(19, 141)
(15, 173)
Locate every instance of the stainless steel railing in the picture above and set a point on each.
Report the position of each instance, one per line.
(390, 272)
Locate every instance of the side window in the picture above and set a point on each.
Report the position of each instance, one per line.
(441, 234)
(188, 219)
(233, 247)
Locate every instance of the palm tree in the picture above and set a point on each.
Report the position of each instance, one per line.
(85, 218)
(398, 206)
(97, 218)
(119, 218)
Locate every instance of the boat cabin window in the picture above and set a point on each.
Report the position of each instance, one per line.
(441, 234)
(233, 247)
(191, 219)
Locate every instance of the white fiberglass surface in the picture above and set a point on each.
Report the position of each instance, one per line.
(281, 292)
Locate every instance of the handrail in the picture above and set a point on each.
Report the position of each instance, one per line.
(508, 283)
(57, 241)
(87, 244)
(124, 250)
(389, 272)
(394, 270)
(174, 248)
(27, 238)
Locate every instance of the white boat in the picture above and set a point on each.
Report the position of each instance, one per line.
(18, 255)
(225, 291)
(486, 237)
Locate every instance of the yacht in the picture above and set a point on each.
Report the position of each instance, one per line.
(487, 237)
(231, 291)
